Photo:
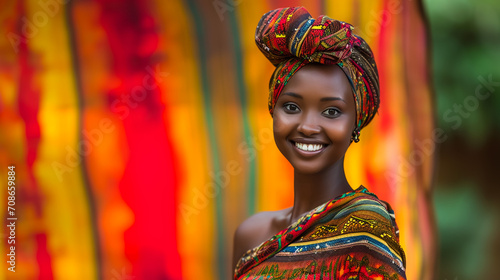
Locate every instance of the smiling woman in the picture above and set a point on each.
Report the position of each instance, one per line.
(323, 92)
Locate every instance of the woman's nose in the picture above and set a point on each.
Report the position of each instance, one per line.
(308, 125)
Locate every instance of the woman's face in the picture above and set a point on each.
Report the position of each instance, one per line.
(314, 118)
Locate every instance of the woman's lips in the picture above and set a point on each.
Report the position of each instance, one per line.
(308, 148)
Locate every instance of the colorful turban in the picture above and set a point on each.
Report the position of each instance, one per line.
(290, 38)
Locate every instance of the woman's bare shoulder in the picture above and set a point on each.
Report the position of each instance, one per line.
(257, 229)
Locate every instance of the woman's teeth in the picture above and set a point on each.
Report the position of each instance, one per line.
(308, 147)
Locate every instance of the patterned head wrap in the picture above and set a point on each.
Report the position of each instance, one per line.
(290, 38)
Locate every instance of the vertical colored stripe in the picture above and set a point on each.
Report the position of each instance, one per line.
(29, 95)
(215, 163)
(242, 93)
(89, 198)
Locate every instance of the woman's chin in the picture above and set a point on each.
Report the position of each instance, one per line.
(308, 169)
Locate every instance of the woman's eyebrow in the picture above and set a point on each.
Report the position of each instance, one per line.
(331, 99)
(293, 94)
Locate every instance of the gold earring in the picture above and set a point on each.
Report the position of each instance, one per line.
(355, 135)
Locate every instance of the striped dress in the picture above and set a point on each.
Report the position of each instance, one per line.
(353, 236)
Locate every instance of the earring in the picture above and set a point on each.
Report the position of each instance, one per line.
(355, 135)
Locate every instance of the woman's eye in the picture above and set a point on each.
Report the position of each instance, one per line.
(291, 107)
(331, 112)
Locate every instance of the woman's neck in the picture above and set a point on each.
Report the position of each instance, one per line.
(312, 190)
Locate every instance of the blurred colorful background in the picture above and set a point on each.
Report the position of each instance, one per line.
(140, 134)
(465, 42)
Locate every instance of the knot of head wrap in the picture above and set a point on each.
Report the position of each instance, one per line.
(290, 39)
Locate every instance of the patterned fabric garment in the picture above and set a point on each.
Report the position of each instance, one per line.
(353, 236)
(290, 38)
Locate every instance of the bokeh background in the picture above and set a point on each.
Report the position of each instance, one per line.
(465, 54)
(141, 138)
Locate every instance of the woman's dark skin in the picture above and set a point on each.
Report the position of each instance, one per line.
(316, 107)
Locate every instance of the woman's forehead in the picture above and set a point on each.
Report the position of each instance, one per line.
(319, 77)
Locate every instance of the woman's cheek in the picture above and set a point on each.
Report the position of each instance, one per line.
(280, 124)
(339, 131)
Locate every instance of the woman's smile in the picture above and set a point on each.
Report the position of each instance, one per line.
(308, 147)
